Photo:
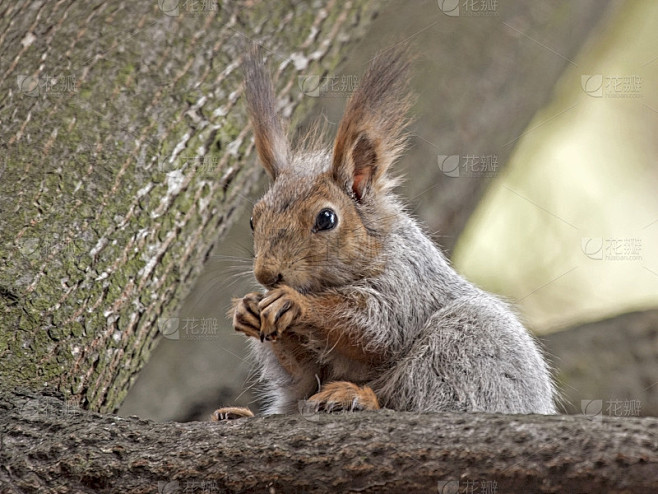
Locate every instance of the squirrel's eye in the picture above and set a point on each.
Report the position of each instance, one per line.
(251, 223)
(325, 220)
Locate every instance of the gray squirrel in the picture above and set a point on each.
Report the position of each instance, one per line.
(360, 309)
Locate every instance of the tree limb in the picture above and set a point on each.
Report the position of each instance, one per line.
(614, 360)
(49, 446)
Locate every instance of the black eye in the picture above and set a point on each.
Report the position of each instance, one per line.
(251, 223)
(325, 220)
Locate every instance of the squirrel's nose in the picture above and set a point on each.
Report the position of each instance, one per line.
(268, 278)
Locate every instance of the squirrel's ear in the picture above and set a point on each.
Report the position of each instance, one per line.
(370, 136)
(270, 139)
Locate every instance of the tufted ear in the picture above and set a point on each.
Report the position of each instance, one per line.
(270, 139)
(370, 137)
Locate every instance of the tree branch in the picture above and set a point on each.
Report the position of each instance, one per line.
(47, 445)
(614, 359)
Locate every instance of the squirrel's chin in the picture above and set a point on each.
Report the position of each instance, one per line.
(308, 287)
(311, 285)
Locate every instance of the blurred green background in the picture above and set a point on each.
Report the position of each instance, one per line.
(569, 230)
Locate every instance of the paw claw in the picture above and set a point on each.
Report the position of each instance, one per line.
(279, 309)
(230, 413)
(246, 314)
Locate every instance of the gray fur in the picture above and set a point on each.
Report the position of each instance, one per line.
(452, 346)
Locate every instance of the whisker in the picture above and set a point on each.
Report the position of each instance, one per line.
(221, 257)
(246, 198)
(248, 386)
(236, 278)
(335, 344)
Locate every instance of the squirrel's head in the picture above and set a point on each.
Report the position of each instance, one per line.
(325, 218)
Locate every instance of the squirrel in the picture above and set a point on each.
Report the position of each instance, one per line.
(356, 295)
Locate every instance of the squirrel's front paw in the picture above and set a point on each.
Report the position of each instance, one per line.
(344, 395)
(246, 314)
(278, 309)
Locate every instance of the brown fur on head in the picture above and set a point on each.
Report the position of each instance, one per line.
(312, 186)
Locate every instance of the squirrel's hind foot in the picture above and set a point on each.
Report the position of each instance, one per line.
(230, 413)
(344, 396)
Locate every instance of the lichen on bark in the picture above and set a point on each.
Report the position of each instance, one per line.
(125, 154)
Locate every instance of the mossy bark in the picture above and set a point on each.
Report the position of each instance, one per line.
(125, 151)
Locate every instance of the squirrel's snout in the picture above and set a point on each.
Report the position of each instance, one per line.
(268, 278)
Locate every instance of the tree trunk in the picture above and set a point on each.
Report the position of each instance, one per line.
(481, 89)
(124, 156)
(382, 451)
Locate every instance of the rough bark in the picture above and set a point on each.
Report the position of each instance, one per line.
(124, 155)
(123, 151)
(614, 360)
(48, 446)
